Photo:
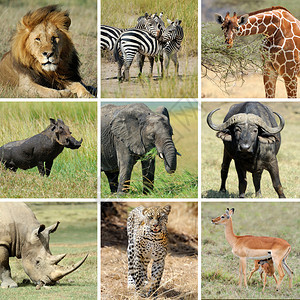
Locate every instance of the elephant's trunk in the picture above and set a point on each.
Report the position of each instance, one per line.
(169, 154)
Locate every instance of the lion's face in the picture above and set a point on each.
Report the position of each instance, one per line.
(45, 43)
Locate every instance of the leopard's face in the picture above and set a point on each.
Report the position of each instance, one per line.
(156, 218)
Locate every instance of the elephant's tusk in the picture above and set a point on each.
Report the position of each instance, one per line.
(161, 155)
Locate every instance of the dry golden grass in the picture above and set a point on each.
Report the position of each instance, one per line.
(181, 261)
(252, 87)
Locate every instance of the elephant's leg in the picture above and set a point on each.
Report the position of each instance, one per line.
(112, 178)
(5, 275)
(148, 169)
(126, 163)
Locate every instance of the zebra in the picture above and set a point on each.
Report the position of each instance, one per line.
(170, 50)
(109, 34)
(134, 40)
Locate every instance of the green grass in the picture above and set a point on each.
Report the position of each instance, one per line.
(83, 29)
(212, 155)
(74, 172)
(76, 236)
(219, 267)
(184, 182)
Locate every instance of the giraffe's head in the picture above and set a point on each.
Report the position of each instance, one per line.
(230, 26)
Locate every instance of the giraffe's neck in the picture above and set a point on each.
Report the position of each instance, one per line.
(260, 24)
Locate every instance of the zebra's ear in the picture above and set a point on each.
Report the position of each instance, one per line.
(177, 22)
(169, 21)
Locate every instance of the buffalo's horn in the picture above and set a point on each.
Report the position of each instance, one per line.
(242, 117)
(55, 259)
(270, 129)
(61, 272)
(232, 120)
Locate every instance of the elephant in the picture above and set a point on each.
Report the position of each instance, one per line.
(128, 132)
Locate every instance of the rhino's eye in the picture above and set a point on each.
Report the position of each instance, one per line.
(37, 262)
(38, 39)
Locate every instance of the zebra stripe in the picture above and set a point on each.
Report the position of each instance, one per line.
(170, 50)
(172, 47)
(109, 34)
(135, 40)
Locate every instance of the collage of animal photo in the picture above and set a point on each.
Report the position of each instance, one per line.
(119, 164)
(250, 108)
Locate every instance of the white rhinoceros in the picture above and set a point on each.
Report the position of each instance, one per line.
(22, 236)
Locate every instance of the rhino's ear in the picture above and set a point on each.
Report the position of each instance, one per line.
(52, 228)
(38, 230)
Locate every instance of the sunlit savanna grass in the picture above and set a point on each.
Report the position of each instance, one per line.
(288, 156)
(76, 236)
(124, 15)
(74, 172)
(83, 30)
(184, 182)
(220, 268)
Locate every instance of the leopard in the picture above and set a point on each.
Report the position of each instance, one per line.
(147, 243)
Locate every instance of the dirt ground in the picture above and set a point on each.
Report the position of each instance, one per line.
(111, 87)
(180, 278)
(252, 87)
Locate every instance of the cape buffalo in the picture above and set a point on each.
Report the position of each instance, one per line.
(251, 138)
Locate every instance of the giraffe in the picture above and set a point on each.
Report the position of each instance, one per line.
(280, 47)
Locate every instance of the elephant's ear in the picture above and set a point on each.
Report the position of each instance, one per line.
(162, 110)
(126, 127)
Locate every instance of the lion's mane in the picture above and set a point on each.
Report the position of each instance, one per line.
(26, 63)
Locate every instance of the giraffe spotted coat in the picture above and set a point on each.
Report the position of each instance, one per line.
(147, 240)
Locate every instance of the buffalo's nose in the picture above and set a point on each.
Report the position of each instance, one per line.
(245, 147)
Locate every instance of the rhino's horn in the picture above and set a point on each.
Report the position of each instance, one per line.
(60, 272)
(55, 259)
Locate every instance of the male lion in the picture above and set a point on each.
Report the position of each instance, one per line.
(43, 61)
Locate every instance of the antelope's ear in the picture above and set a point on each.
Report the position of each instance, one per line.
(231, 212)
(219, 19)
(243, 19)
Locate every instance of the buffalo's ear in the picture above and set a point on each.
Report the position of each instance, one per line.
(126, 127)
(224, 135)
(267, 139)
